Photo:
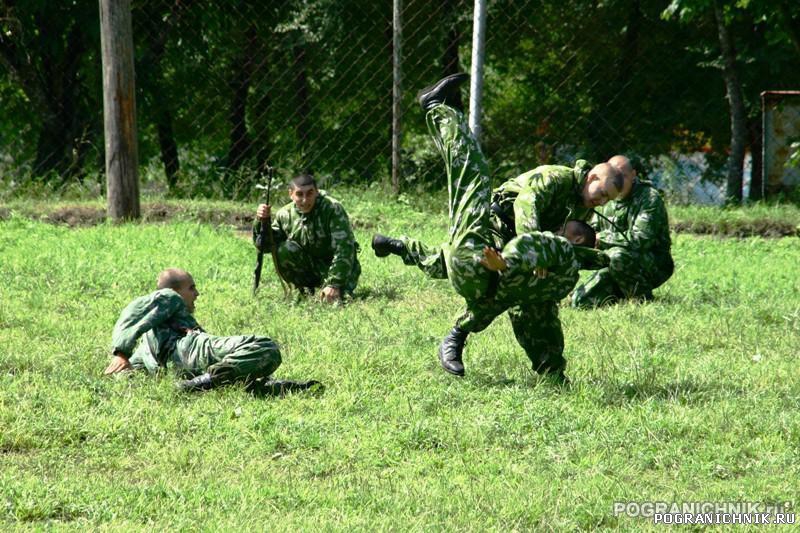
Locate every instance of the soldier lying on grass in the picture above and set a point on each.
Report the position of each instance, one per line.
(170, 336)
(314, 239)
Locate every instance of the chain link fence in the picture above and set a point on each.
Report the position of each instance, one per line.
(227, 88)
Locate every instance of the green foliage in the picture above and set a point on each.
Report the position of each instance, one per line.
(299, 85)
(690, 398)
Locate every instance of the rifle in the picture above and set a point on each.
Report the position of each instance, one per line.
(613, 225)
(267, 237)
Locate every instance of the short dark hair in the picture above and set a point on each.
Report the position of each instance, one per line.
(302, 180)
(172, 278)
(582, 229)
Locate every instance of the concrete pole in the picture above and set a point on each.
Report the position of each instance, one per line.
(476, 77)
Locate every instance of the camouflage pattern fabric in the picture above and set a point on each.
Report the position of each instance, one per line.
(636, 241)
(170, 336)
(469, 190)
(543, 199)
(315, 249)
(532, 301)
(428, 259)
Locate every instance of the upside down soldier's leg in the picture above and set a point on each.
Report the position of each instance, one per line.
(469, 190)
(538, 331)
(428, 259)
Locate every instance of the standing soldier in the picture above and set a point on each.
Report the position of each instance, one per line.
(531, 272)
(316, 247)
(634, 236)
(170, 336)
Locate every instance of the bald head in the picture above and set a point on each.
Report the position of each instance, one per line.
(173, 278)
(623, 164)
(181, 282)
(603, 183)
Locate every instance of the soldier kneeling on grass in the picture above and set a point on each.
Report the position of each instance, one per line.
(315, 243)
(170, 336)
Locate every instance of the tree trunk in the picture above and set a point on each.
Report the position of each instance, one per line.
(303, 98)
(792, 25)
(737, 108)
(151, 74)
(168, 147)
(240, 144)
(61, 129)
(450, 58)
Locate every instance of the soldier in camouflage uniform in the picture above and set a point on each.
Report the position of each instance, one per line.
(314, 239)
(170, 336)
(634, 236)
(531, 273)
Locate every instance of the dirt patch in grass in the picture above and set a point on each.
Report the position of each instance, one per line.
(242, 219)
(75, 216)
(751, 228)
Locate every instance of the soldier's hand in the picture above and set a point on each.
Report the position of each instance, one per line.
(330, 295)
(118, 364)
(541, 272)
(263, 211)
(493, 260)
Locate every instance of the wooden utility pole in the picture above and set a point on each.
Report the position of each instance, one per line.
(119, 106)
(397, 94)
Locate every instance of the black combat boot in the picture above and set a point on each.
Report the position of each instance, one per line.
(383, 245)
(445, 91)
(199, 383)
(450, 351)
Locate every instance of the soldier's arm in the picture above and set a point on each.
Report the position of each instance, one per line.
(590, 258)
(278, 231)
(343, 244)
(142, 315)
(529, 206)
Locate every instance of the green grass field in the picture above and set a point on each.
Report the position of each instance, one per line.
(692, 397)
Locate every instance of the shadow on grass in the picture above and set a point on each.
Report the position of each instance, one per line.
(686, 392)
(280, 388)
(376, 293)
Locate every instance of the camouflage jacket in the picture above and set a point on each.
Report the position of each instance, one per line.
(161, 319)
(638, 222)
(544, 198)
(324, 233)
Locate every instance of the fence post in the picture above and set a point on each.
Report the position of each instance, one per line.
(119, 108)
(397, 93)
(476, 78)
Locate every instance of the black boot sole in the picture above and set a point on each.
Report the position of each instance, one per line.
(426, 93)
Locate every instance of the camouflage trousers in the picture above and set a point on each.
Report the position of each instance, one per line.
(533, 317)
(227, 359)
(469, 195)
(533, 310)
(301, 269)
(630, 274)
